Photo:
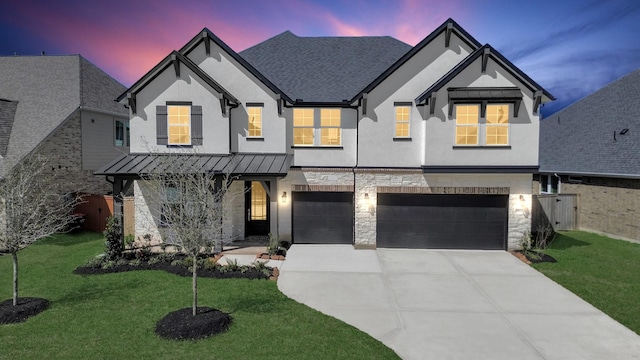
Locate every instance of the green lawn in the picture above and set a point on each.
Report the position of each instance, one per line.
(113, 316)
(602, 271)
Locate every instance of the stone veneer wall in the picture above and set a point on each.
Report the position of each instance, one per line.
(65, 149)
(607, 205)
(518, 186)
(146, 206)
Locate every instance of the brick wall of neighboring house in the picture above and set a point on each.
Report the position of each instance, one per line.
(64, 147)
(608, 205)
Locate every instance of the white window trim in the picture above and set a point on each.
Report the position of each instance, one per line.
(549, 189)
(482, 125)
(317, 130)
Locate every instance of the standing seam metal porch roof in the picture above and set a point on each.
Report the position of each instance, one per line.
(236, 164)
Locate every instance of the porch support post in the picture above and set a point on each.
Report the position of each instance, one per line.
(118, 201)
(273, 203)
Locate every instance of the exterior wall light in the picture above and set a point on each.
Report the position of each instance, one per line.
(366, 196)
(283, 198)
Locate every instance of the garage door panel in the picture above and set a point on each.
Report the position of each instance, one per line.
(322, 217)
(441, 221)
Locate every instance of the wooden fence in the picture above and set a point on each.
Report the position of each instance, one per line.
(97, 208)
(558, 210)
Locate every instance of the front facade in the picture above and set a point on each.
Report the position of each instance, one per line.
(591, 149)
(364, 141)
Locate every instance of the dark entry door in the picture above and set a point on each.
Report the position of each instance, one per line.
(256, 209)
(322, 217)
(442, 221)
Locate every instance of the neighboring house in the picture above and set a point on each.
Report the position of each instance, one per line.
(62, 107)
(354, 140)
(592, 148)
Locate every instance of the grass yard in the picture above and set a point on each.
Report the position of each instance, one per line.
(602, 271)
(113, 316)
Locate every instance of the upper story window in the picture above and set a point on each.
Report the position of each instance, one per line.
(122, 137)
(402, 118)
(255, 120)
(492, 130)
(497, 128)
(179, 124)
(467, 124)
(308, 131)
(303, 127)
(330, 130)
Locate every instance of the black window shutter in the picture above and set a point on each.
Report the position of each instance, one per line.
(161, 125)
(196, 125)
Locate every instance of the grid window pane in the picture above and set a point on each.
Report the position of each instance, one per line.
(497, 128)
(402, 121)
(330, 127)
(179, 124)
(303, 136)
(467, 117)
(330, 136)
(330, 117)
(303, 126)
(302, 117)
(255, 121)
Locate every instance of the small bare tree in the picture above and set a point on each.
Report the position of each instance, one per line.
(32, 206)
(192, 211)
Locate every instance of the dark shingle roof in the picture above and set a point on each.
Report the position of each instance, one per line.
(7, 114)
(315, 68)
(49, 90)
(580, 139)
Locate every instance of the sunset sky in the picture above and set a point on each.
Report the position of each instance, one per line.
(570, 47)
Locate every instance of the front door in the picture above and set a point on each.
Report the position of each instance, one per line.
(257, 209)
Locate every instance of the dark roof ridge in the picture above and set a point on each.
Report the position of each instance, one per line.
(468, 61)
(195, 41)
(427, 40)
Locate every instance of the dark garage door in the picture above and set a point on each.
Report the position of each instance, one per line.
(322, 217)
(442, 221)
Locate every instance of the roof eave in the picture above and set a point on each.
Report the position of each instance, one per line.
(463, 34)
(208, 34)
(510, 67)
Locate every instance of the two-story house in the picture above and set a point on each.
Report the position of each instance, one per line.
(350, 140)
(61, 107)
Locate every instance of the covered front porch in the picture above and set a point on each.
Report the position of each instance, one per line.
(253, 179)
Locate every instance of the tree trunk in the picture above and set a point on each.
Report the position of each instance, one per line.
(14, 256)
(195, 284)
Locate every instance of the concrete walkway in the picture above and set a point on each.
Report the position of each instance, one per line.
(427, 304)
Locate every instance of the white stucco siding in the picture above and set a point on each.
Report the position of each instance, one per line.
(338, 156)
(189, 88)
(523, 130)
(377, 128)
(248, 89)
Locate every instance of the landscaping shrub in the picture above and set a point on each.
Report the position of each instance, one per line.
(113, 244)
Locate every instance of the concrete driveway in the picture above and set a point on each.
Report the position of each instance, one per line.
(428, 304)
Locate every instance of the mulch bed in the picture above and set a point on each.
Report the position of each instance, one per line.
(537, 258)
(182, 325)
(174, 269)
(26, 307)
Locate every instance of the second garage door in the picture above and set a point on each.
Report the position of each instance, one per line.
(442, 221)
(322, 217)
